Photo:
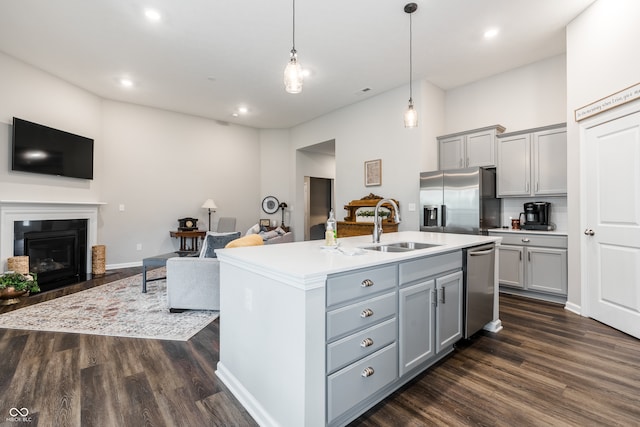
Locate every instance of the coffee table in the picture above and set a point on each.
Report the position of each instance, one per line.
(155, 262)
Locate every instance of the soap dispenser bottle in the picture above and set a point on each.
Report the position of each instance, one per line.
(330, 233)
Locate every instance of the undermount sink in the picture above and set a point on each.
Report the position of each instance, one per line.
(400, 247)
(412, 245)
(386, 248)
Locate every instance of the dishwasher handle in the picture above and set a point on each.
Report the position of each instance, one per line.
(487, 252)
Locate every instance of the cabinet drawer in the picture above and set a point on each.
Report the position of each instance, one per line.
(430, 266)
(359, 284)
(361, 344)
(525, 239)
(362, 314)
(349, 386)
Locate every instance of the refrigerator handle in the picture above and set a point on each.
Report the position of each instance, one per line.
(443, 210)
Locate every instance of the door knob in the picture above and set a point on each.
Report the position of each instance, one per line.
(589, 232)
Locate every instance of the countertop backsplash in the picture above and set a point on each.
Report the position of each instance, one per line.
(512, 206)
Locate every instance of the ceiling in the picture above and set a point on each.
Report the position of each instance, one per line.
(210, 57)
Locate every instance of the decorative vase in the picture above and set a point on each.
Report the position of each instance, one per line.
(10, 296)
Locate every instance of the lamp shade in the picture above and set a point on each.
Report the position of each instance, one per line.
(209, 204)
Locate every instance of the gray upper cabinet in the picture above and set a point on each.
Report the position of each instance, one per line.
(468, 149)
(533, 162)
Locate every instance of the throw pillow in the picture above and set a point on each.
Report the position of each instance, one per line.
(215, 241)
(249, 240)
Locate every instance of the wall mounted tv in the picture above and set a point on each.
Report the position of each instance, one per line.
(41, 149)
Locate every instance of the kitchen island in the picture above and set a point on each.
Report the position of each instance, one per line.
(291, 348)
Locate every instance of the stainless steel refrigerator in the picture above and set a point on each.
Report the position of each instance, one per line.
(459, 201)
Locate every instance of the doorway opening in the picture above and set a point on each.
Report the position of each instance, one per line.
(319, 202)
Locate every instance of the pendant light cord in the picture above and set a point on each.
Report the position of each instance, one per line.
(293, 50)
(411, 57)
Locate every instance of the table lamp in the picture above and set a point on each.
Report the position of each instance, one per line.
(209, 204)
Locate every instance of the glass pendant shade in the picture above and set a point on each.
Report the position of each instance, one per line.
(410, 117)
(293, 75)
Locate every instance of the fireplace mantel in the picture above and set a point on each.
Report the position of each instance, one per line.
(32, 210)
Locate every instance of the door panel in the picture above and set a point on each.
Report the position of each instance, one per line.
(613, 215)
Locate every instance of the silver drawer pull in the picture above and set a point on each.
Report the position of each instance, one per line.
(367, 312)
(367, 342)
(366, 283)
(367, 372)
(525, 240)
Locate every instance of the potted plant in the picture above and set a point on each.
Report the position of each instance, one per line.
(14, 285)
(367, 215)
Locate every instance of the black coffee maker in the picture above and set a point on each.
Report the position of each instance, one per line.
(536, 216)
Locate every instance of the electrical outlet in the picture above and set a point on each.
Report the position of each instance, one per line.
(139, 247)
(121, 208)
(412, 207)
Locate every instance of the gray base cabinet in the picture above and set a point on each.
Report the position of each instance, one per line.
(430, 308)
(533, 263)
(448, 310)
(385, 325)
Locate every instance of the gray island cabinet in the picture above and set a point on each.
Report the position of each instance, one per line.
(315, 337)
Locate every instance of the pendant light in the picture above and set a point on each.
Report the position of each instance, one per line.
(411, 115)
(293, 70)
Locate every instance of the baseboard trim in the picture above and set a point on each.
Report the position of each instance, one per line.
(123, 265)
(574, 308)
(493, 326)
(246, 399)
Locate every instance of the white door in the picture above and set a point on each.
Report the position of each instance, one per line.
(612, 232)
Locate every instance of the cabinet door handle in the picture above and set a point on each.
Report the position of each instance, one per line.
(520, 253)
(367, 372)
(444, 297)
(366, 283)
(525, 240)
(529, 256)
(589, 232)
(537, 186)
(367, 342)
(367, 312)
(527, 190)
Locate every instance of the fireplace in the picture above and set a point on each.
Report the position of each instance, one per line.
(57, 250)
(12, 211)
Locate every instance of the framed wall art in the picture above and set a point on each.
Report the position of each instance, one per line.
(373, 172)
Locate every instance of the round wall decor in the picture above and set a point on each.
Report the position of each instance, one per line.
(270, 204)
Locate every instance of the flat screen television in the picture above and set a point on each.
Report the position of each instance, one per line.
(40, 149)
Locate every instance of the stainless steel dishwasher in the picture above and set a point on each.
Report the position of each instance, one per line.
(479, 274)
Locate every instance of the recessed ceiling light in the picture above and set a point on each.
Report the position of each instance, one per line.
(152, 15)
(235, 114)
(243, 110)
(124, 82)
(491, 33)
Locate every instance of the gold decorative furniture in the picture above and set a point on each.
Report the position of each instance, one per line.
(352, 227)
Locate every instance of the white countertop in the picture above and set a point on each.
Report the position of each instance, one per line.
(510, 230)
(305, 261)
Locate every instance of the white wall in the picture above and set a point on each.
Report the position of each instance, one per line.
(523, 98)
(34, 95)
(602, 58)
(162, 166)
(374, 129)
(276, 160)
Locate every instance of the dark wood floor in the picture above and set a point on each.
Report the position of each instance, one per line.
(547, 367)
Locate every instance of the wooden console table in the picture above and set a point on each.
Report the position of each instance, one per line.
(351, 227)
(184, 235)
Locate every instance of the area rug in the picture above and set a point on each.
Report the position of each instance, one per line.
(116, 309)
